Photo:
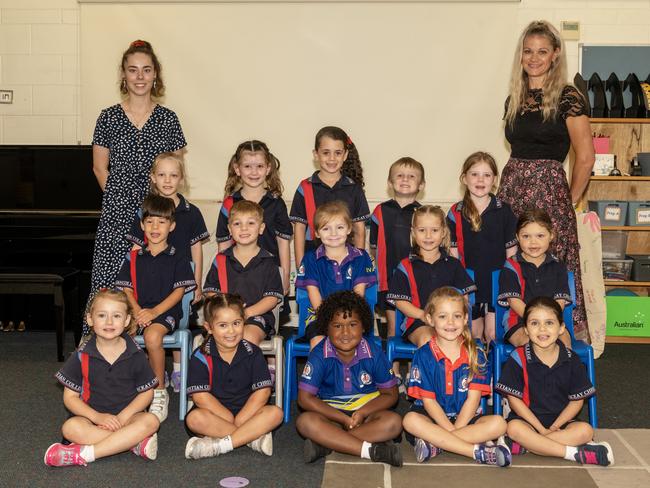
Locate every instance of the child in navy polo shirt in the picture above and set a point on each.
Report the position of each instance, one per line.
(340, 178)
(429, 267)
(335, 265)
(530, 273)
(254, 175)
(230, 386)
(347, 388)
(482, 230)
(248, 270)
(107, 387)
(448, 376)
(155, 279)
(546, 386)
(167, 178)
(390, 229)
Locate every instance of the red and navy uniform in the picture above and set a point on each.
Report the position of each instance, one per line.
(415, 280)
(312, 193)
(483, 251)
(190, 228)
(154, 278)
(276, 222)
(545, 390)
(347, 386)
(434, 376)
(107, 387)
(390, 235)
(232, 383)
(523, 280)
(258, 279)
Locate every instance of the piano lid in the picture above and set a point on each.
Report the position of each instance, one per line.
(48, 179)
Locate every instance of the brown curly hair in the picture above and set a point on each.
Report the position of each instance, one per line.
(352, 165)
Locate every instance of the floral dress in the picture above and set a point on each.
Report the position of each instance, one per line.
(131, 154)
(534, 177)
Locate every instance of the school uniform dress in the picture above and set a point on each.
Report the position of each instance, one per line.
(534, 176)
(105, 387)
(276, 223)
(390, 235)
(347, 386)
(231, 383)
(415, 280)
(190, 228)
(154, 278)
(131, 154)
(545, 390)
(435, 377)
(260, 278)
(523, 280)
(345, 190)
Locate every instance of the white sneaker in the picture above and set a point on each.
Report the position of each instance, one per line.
(147, 448)
(202, 447)
(160, 404)
(263, 444)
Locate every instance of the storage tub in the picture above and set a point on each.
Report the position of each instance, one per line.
(610, 212)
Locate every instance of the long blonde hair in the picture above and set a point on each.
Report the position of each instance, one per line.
(554, 83)
(445, 293)
(469, 210)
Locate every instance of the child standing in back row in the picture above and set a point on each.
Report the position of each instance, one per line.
(340, 178)
(482, 230)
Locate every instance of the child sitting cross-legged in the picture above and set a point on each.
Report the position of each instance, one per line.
(230, 386)
(347, 388)
(108, 384)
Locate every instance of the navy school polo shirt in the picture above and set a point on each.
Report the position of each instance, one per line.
(329, 276)
(276, 223)
(111, 387)
(157, 277)
(434, 376)
(347, 386)
(190, 229)
(484, 251)
(231, 383)
(394, 223)
(545, 390)
(258, 279)
(345, 190)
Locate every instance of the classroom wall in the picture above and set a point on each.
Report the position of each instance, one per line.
(426, 80)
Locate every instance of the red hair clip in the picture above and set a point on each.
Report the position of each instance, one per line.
(349, 141)
(138, 43)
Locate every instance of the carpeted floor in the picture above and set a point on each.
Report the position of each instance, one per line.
(32, 413)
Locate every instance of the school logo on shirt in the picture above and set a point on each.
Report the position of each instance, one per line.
(301, 269)
(415, 375)
(349, 273)
(464, 384)
(306, 373)
(365, 378)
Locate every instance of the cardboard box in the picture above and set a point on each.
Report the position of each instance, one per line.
(628, 316)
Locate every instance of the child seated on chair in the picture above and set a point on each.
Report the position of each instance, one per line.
(230, 386)
(155, 278)
(249, 271)
(347, 388)
(546, 386)
(107, 387)
(335, 265)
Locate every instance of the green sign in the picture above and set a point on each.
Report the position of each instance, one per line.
(628, 316)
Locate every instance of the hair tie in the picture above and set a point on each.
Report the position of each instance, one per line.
(349, 141)
(138, 43)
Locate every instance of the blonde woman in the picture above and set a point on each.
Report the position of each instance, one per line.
(544, 117)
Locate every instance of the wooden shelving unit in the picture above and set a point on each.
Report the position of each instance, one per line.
(627, 137)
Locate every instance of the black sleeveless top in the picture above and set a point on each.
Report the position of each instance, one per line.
(532, 138)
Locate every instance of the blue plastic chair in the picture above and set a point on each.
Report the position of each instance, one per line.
(500, 350)
(295, 349)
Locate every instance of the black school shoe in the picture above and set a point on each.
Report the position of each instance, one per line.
(313, 451)
(386, 452)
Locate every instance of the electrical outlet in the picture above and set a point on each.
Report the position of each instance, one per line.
(6, 96)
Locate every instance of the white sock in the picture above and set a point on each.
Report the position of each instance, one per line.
(365, 450)
(570, 453)
(225, 445)
(176, 367)
(475, 448)
(88, 453)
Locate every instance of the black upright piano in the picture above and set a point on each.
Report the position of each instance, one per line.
(50, 204)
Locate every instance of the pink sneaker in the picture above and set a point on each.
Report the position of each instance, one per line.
(147, 448)
(60, 455)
